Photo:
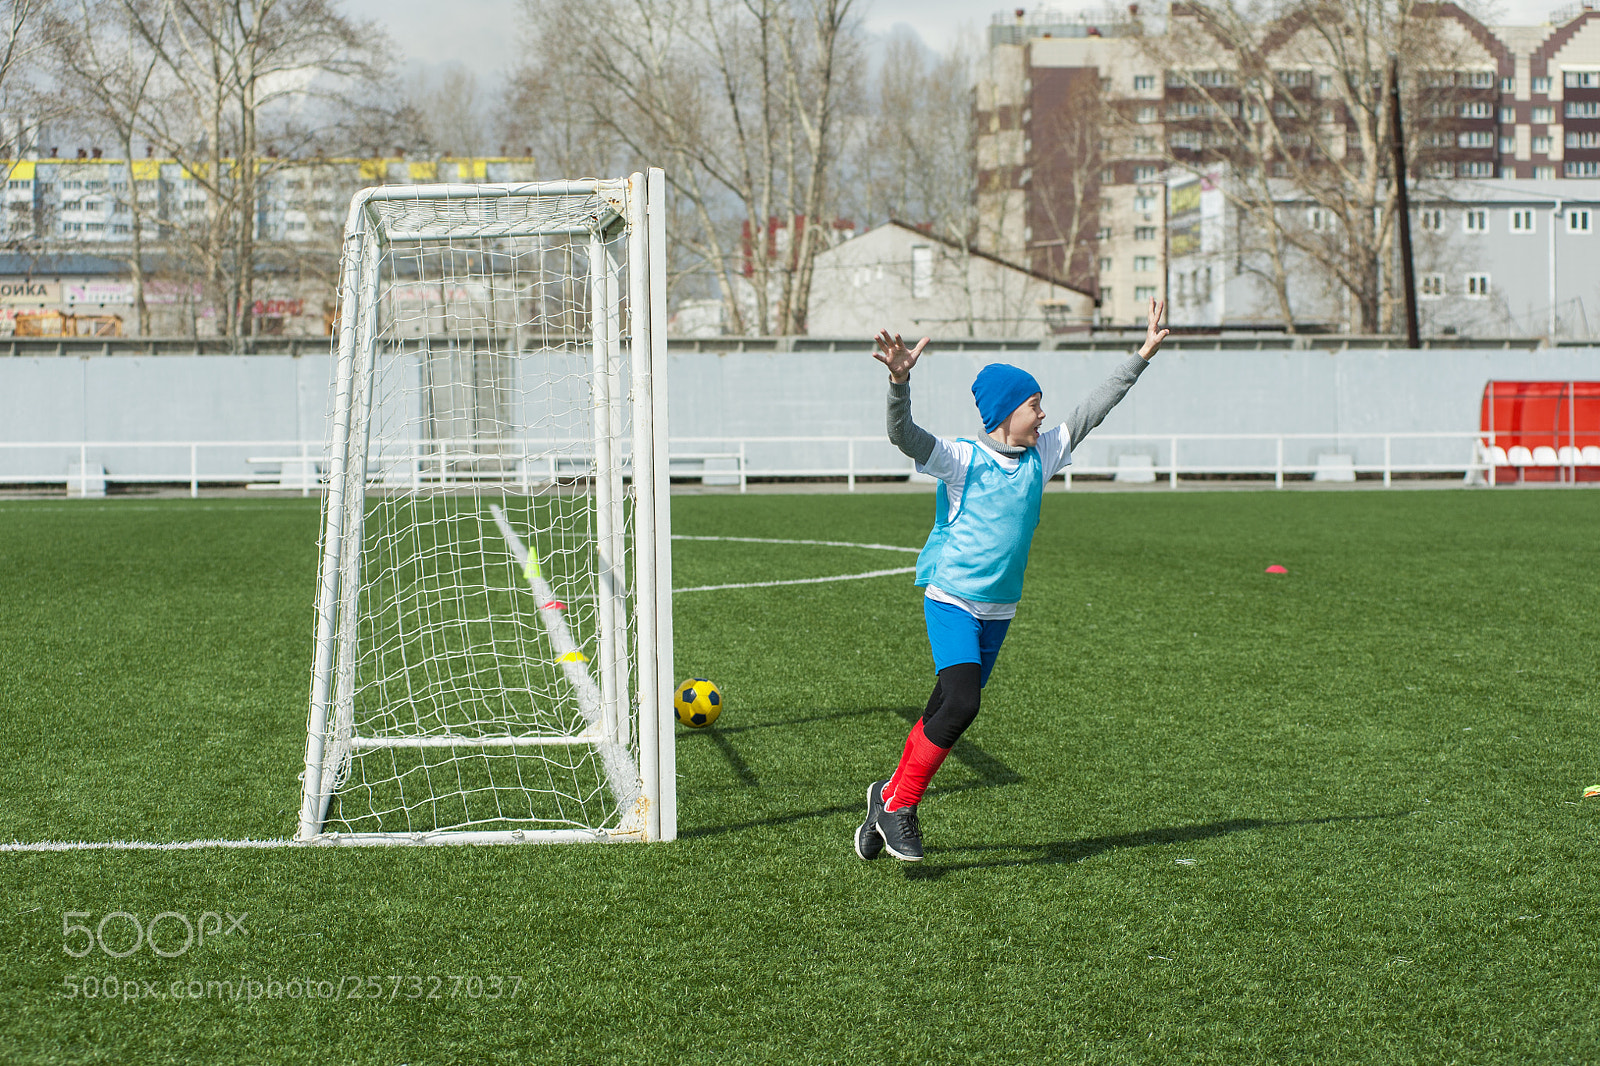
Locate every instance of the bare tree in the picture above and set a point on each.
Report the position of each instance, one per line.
(227, 67)
(106, 77)
(740, 100)
(1288, 101)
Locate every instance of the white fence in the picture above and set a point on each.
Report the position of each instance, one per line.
(86, 467)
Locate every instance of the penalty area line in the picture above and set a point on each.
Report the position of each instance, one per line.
(799, 581)
(142, 845)
(818, 543)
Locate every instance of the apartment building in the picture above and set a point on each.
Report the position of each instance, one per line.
(89, 203)
(69, 226)
(1516, 103)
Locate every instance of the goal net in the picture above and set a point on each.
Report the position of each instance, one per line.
(493, 629)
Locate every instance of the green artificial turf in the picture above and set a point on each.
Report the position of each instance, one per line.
(1207, 815)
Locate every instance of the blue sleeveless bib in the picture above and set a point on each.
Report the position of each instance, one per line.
(981, 551)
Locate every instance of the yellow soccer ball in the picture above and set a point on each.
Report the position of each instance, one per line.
(698, 702)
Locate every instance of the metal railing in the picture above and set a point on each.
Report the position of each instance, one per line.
(727, 460)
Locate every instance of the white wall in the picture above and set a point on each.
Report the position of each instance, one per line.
(764, 394)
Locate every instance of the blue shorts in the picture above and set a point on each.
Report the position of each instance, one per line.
(957, 637)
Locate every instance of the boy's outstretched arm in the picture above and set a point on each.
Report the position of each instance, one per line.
(914, 441)
(1093, 410)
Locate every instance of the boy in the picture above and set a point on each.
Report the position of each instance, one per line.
(985, 512)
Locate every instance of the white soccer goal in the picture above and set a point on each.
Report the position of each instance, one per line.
(493, 628)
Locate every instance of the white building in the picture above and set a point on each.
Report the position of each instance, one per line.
(1491, 257)
(900, 278)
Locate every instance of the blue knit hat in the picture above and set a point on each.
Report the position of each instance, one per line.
(999, 390)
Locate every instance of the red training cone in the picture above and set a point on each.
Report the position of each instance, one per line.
(554, 605)
(1276, 569)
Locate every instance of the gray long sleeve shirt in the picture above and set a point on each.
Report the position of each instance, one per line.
(918, 444)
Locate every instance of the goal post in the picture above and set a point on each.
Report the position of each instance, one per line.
(493, 651)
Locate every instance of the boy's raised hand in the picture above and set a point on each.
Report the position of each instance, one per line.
(893, 353)
(1154, 334)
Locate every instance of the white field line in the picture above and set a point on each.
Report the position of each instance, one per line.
(620, 767)
(514, 543)
(801, 580)
(143, 845)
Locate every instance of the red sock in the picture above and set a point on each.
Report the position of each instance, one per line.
(918, 763)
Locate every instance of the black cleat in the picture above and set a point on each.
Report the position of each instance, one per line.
(901, 833)
(869, 842)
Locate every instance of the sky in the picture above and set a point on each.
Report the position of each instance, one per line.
(483, 34)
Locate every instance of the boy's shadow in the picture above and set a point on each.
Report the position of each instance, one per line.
(1063, 852)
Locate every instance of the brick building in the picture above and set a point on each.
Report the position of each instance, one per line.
(1079, 125)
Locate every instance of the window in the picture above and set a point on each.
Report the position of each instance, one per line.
(1105, 264)
(1475, 139)
(1475, 221)
(1144, 173)
(1144, 145)
(1542, 145)
(1144, 202)
(94, 186)
(1319, 220)
(193, 205)
(1582, 170)
(1477, 286)
(72, 185)
(94, 225)
(1324, 84)
(1580, 79)
(71, 227)
(1543, 114)
(1544, 173)
(1431, 218)
(1146, 114)
(94, 205)
(119, 209)
(1508, 85)
(1189, 139)
(1476, 170)
(1105, 299)
(1144, 263)
(1143, 81)
(1583, 108)
(1144, 294)
(1478, 79)
(1108, 176)
(19, 184)
(72, 205)
(1522, 220)
(1541, 85)
(1430, 286)
(1508, 116)
(1508, 145)
(921, 271)
(293, 227)
(1577, 220)
(1477, 109)
(1588, 139)
(120, 230)
(1103, 233)
(1144, 233)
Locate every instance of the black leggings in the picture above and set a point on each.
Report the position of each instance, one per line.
(954, 704)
